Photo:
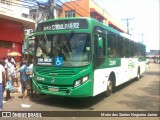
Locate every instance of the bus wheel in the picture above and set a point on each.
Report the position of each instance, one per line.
(109, 88)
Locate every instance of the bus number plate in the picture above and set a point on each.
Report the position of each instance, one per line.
(53, 89)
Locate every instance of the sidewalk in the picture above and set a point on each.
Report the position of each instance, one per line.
(17, 103)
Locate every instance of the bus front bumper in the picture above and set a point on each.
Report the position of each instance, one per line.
(84, 90)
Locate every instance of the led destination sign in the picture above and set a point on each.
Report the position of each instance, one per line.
(63, 25)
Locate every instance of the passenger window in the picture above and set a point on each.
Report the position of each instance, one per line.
(112, 46)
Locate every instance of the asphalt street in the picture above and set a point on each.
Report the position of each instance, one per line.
(141, 95)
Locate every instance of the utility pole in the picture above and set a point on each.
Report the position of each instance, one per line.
(142, 36)
(127, 21)
(51, 8)
(47, 7)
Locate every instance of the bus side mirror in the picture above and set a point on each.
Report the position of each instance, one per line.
(100, 42)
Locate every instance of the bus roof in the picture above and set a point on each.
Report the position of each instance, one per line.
(94, 21)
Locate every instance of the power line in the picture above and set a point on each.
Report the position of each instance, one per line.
(17, 4)
(29, 2)
(142, 34)
(127, 21)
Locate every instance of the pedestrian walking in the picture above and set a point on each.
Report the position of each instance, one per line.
(2, 78)
(147, 63)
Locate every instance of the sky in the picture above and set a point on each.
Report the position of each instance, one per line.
(145, 23)
(145, 14)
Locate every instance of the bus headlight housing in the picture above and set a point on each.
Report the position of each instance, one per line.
(81, 81)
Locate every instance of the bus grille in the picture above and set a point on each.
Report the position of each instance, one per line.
(55, 72)
(60, 89)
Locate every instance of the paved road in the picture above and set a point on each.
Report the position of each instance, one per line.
(142, 95)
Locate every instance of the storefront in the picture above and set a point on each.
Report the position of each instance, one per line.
(12, 34)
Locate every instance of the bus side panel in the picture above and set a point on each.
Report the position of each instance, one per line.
(128, 70)
(142, 66)
(100, 81)
(101, 77)
(125, 72)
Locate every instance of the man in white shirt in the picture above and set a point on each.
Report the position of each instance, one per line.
(2, 74)
(13, 61)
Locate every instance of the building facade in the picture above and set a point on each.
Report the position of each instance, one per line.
(13, 21)
(76, 8)
(88, 8)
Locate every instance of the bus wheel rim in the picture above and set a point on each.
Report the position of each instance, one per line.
(110, 85)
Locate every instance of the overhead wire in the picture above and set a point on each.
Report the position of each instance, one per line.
(29, 4)
(18, 4)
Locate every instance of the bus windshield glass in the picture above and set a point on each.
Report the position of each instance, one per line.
(65, 50)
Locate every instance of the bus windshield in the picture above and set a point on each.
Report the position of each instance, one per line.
(72, 49)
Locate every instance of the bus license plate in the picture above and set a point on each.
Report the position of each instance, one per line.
(53, 89)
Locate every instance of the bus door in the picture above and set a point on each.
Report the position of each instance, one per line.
(100, 80)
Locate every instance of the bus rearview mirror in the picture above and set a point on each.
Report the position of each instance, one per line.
(100, 42)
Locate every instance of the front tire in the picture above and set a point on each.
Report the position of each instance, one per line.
(109, 90)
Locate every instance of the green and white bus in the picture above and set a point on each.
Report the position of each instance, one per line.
(81, 57)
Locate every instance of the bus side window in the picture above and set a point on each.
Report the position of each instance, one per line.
(120, 47)
(112, 45)
(127, 48)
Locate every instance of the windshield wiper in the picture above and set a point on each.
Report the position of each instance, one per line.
(69, 46)
(45, 37)
(70, 35)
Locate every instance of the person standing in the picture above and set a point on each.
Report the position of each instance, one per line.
(148, 62)
(8, 67)
(30, 77)
(17, 73)
(2, 78)
(13, 61)
(24, 75)
(12, 73)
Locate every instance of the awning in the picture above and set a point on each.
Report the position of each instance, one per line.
(27, 23)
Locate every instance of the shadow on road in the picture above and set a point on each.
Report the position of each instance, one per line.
(88, 103)
(148, 101)
(66, 102)
(152, 73)
(75, 103)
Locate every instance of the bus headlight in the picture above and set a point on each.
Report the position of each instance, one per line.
(77, 83)
(81, 81)
(84, 79)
